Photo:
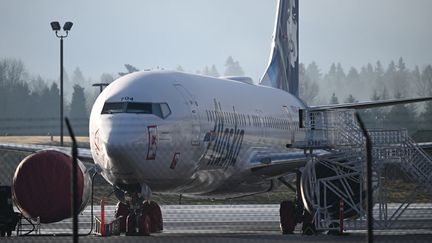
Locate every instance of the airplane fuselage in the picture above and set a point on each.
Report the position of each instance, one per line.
(190, 134)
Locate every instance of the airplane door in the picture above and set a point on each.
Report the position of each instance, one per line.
(290, 117)
(261, 120)
(290, 123)
(194, 109)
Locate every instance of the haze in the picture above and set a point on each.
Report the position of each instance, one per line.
(195, 33)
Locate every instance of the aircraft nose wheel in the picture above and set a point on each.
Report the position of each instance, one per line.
(145, 220)
(154, 212)
(144, 225)
(131, 224)
(122, 210)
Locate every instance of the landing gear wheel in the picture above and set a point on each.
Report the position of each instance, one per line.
(287, 221)
(2, 233)
(138, 224)
(144, 225)
(155, 214)
(308, 227)
(9, 233)
(122, 210)
(131, 224)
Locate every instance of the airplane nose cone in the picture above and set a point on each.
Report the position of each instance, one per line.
(129, 145)
(124, 143)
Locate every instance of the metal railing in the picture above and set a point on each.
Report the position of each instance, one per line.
(337, 132)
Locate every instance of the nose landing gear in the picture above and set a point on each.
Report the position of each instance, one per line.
(142, 219)
(138, 215)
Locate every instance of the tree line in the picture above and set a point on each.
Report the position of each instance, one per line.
(373, 82)
(30, 105)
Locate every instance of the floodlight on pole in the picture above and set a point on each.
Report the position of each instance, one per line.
(55, 26)
(67, 26)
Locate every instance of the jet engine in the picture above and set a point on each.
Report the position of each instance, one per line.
(41, 186)
(324, 183)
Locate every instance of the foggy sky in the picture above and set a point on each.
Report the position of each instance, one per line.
(195, 33)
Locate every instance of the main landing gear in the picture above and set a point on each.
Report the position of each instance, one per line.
(293, 212)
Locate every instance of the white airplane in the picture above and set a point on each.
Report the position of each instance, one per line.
(177, 133)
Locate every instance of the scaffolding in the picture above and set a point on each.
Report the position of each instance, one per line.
(339, 174)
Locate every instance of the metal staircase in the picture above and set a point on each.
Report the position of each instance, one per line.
(337, 133)
(395, 146)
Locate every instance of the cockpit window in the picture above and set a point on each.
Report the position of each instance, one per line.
(114, 107)
(165, 110)
(161, 110)
(144, 108)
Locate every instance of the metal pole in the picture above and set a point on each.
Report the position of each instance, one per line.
(102, 205)
(61, 91)
(74, 183)
(369, 196)
(341, 216)
(370, 220)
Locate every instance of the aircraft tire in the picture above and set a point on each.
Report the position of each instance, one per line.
(122, 210)
(131, 224)
(286, 212)
(308, 227)
(154, 212)
(2, 233)
(144, 224)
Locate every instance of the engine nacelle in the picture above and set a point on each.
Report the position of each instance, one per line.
(42, 186)
(324, 184)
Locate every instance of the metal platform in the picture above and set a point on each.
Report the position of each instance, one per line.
(338, 133)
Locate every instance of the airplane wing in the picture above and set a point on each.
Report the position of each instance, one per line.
(279, 164)
(272, 165)
(278, 169)
(84, 154)
(369, 104)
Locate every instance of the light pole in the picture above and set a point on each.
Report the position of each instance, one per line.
(66, 28)
(101, 86)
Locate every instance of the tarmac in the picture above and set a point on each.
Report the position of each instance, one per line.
(234, 223)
